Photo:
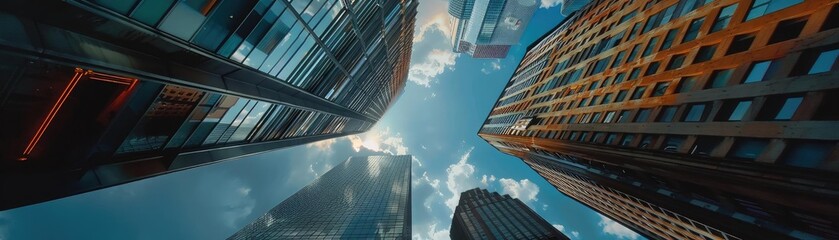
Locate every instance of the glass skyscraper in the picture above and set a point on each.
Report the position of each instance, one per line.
(96, 93)
(481, 214)
(362, 198)
(487, 28)
(688, 119)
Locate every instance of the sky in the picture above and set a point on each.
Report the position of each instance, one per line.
(436, 120)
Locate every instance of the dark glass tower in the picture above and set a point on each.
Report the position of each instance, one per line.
(688, 119)
(362, 198)
(96, 93)
(481, 214)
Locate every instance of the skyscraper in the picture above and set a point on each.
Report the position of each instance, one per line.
(481, 214)
(685, 119)
(97, 93)
(362, 198)
(487, 28)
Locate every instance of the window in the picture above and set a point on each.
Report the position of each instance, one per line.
(673, 143)
(621, 96)
(583, 102)
(806, 153)
(594, 100)
(607, 98)
(633, 74)
(705, 53)
(828, 110)
(734, 110)
(697, 112)
(719, 78)
(667, 114)
(573, 136)
(598, 136)
(832, 20)
(693, 30)
(185, 18)
(224, 20)
(624, 116)
(669, 39)
(779, 108)
(676, 62)
(643, 115)
(647, 141)
(741, 43)
(627, 139)
(704, 145)
(611, 138)
(789, 108)
(758, 71)
(763, 7)
(724, 18)
(619, 78)
(583, 136)
(652, 68)
(638, 93)
(572, 119)
(650, 47)
(618, 59)
(660, 89)
(148, 12)
(747, 148)
(685, 84)
(824, 62)
(595, 118)
(609, 116)
(788, 29)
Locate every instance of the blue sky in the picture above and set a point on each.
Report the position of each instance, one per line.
(436, 120)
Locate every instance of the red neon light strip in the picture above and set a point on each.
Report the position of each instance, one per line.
(63, 97)
(52, 112)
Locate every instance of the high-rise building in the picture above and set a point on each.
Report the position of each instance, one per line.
(96, 93)
(362, 198)
(487, 28)
(570, 6)
(481, 214)
(685, 119)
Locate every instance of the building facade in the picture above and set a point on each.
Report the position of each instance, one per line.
(685, 119)
(362, 198)
(98, 93)
(481, 214)
(487, 28)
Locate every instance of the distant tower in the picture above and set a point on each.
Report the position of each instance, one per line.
(362, 198)
(487, 28)
(481, 214)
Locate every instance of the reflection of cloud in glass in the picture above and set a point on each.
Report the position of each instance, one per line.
(374, 167)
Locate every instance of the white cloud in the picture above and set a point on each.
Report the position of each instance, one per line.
(551, 3)
(576, 234)
(559, 227)
(439, 22)
(434, 64)
(415, 159)
(323, 145)
(433, 233)
(544, 207)
(493, 66)
(616, 229)
(525, 190)
(459, 178)
(487, 180)
(379, 141)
